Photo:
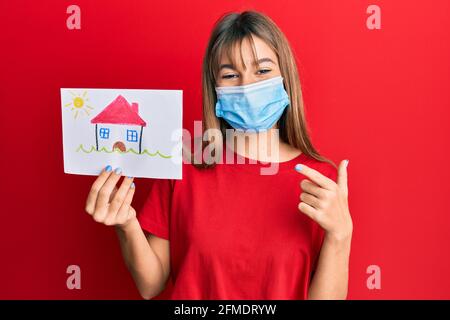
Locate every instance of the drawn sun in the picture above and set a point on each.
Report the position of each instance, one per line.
(79, 104)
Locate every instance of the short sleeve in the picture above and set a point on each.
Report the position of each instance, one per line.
(155, 214)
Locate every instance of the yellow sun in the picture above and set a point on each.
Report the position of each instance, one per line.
(79, 104)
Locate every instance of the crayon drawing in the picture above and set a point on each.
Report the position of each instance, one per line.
(79, 104)
(119, 126)
(138, 130)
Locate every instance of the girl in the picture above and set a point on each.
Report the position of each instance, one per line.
(226, 230)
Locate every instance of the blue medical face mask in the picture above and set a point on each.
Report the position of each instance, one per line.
(256, 106)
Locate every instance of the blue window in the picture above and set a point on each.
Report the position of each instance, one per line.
(132, 135)
(104, 133)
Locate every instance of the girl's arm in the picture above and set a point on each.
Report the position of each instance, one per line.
(326, 202)
(330, 279)
(147, 258)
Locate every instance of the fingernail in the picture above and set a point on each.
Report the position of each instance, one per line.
(346, 163)
(298, 167)
(132, 186)
(108, 168)
(118, 171)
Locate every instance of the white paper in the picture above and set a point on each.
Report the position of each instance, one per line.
(146, 136)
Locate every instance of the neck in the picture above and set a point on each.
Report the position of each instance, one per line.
(262, 146)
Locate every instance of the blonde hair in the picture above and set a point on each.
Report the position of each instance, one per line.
(229, 31)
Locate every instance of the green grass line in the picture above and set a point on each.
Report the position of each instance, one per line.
(104, 149)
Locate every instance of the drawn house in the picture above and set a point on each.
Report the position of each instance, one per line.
(119, 126)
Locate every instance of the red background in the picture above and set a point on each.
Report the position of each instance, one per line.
(378, 97)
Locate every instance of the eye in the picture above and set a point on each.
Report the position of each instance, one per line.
(263, 71)
(229, 76)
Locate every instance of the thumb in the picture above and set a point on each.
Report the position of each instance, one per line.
(342, 175)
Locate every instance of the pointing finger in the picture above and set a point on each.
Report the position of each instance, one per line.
(315, 176)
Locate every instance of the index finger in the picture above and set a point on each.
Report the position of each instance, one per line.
(315, 176)
(96, 186)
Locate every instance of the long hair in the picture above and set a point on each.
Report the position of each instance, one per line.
(230, 31)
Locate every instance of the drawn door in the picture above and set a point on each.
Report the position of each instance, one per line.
(119, 145)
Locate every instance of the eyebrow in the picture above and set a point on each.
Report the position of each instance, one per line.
(230, 66)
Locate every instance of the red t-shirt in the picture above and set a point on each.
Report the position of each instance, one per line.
(234, 233)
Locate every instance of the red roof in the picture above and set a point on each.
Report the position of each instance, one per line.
(120, 112)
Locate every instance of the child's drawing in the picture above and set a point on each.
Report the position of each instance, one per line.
(138, 130)
(119, 126)
(79, 104)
